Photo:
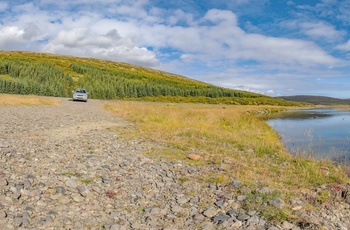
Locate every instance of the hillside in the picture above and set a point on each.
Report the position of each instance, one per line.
(57, 75)
(316, 100)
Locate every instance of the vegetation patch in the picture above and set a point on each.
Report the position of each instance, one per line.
(86, 181)
(7, 99)
(55, 75)
(233, 142)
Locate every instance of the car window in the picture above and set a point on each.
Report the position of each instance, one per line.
(80, 91)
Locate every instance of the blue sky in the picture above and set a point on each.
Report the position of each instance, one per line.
(273, 47)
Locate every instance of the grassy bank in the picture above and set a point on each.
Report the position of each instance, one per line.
(8, 99)
(233, 138)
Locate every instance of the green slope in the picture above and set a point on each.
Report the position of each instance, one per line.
(57, 75)
(317, 100)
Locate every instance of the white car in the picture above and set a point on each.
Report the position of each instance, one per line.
(80, 95)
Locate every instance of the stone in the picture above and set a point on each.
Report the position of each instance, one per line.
(3, 182)
(71, 183)
(251, 213)
(115, 227)
(194, 157)
(243, 217)
(235, 184)
(41, 203)
(52, 191)
(83, 191)
(237, 224)
(220, 218)
(63, 200)
(219, 203)
(296, 208)
(77, 198)
(253, 220)
(34, 193)
(19, 186)
(210, 212)
(232, 213)
(176, 209)
(207, 226)
(241, 197)
(3, 214)
(287, 225)
(171, 217)
(4, 145)
(156, 211)
(60, 189)
(18, 221)
(198, 217)
(26, 183)
(182, 200)
(277, 202)
(264, 190)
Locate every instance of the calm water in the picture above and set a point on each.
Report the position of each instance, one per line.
(324, 133)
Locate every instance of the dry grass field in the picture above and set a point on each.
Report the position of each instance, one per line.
(9, 99)
(234, 138)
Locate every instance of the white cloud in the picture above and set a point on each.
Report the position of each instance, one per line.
(221, 16)
(10, 36)
(31, 31)
(213, 37)
(344, 47)
(82, 42)
(179, 16)
(321, 30)
(314, 29)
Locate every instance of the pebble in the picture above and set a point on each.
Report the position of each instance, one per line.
(277, 202)
(287, 225)
(253, 220)
(220, 218)
(237, 224)
(3, 182)
(210, 212)
(198, 217)
(241, 197)
(3, 214)
(243, 217)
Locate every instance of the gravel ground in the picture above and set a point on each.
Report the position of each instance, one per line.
(63, 167)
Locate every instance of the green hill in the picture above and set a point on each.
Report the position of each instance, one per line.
(57, 75)
(317, 100)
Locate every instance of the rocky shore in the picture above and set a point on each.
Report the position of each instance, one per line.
(65, 167)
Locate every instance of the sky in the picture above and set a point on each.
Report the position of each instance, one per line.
(272, 47)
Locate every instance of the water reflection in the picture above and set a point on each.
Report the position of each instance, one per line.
(323, 133)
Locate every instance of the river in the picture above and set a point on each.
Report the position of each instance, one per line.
(321, 133)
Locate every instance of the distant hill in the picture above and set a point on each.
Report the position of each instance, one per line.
(57, 75)
(317, 100)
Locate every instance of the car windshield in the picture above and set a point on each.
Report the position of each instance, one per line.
(80, 91)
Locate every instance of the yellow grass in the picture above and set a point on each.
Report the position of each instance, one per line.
(232, 138)
(9, 99)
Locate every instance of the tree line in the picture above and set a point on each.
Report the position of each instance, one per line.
(25, 77)
(30, 78)
(111, 84)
